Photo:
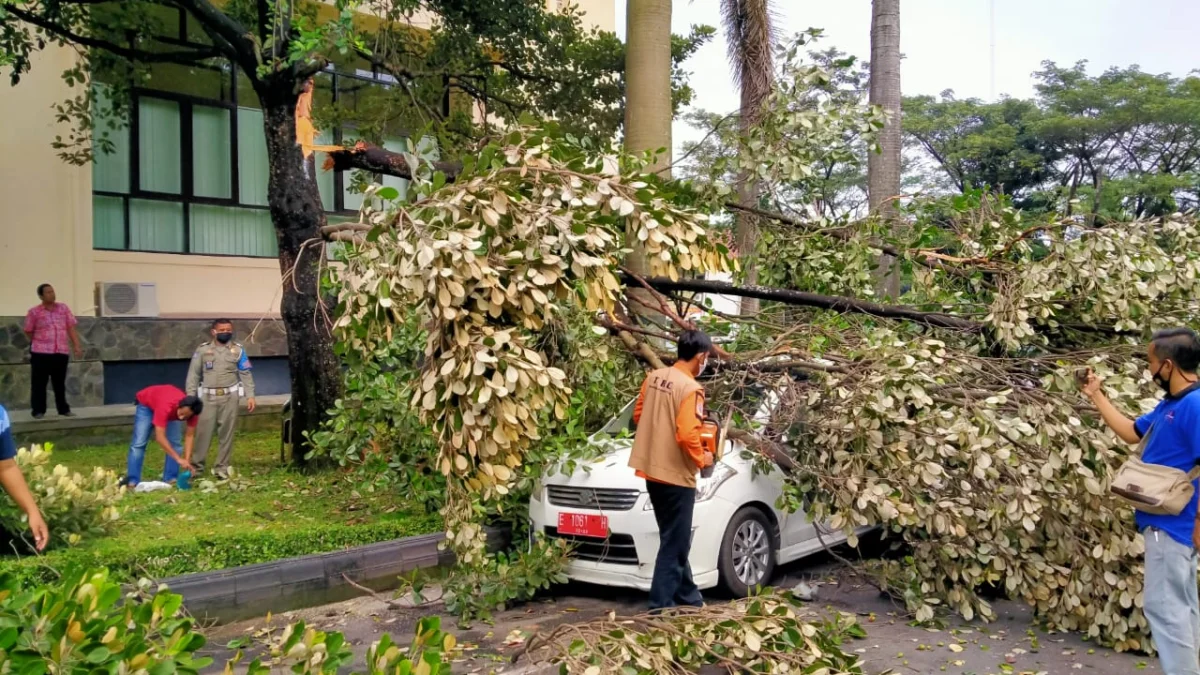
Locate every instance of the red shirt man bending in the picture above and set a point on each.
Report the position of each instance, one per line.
(166, 410)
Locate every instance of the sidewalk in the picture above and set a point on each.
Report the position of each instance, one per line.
(110, 423)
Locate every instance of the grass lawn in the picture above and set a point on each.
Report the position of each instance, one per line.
(267, 512)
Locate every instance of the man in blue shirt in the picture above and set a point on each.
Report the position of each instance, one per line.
(14, 484)
(1169, 590)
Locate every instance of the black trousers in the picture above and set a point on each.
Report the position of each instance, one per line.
(672, 585)
(52, 367)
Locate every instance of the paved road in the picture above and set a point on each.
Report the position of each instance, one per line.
(1010, 645)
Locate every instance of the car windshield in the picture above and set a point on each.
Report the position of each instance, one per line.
(746, 400)
(622, 423)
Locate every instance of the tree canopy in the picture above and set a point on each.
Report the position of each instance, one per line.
(1122, 144)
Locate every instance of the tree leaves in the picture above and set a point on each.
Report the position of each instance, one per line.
(482, 307)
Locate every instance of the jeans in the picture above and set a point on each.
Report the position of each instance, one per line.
(1171, 604)
(672, 584)
(51, 368)
(143, 431)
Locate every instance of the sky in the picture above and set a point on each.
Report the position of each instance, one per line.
(947, 43)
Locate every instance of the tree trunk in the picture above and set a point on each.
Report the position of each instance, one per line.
(749, 30)
(297, 214)
(647, 104)
(883, 169)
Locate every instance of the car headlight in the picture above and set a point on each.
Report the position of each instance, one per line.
(707, 487)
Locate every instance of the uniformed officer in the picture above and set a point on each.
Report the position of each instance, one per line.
(219, 375)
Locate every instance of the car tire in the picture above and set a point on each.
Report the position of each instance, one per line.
(748, 550)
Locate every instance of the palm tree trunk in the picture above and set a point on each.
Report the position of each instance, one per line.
(883, 169)
(751, 36)
(648, 110)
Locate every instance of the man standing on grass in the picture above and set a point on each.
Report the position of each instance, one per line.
(667, 452)
(14, 484)
(1172, 432)
(220, 375)
(49, 326)
(166, 410)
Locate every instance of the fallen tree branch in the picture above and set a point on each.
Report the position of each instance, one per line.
(374, 159)
(804, 299)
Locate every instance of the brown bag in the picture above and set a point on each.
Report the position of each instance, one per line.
(1153, 488)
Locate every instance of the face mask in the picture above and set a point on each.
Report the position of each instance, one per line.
(703, 367)
(1163, 383)
(224, 338)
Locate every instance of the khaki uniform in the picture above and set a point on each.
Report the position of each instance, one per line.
(667, 445)
(219, 374)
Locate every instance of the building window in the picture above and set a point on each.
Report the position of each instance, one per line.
(189, 173)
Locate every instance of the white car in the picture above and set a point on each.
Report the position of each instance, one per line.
(738, 534)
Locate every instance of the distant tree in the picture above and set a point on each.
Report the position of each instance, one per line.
(750, 35)
(980, 144)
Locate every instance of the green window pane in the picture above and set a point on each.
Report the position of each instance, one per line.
(253, 170)
(325, 179)
(155, 226)
(110, 170)
(246, 96)
(159, 145)
(212, 168)
(108, 222)
(352, 200)
(226, 230)
(396, 145)
(212, 79)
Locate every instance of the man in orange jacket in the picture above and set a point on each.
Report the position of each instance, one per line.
(667, 452)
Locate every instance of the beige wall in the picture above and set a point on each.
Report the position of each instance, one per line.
(600, 14)
(45, 204)
(196, 285)
(46, 216)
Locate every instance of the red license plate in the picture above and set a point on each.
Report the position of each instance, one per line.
(582, 525)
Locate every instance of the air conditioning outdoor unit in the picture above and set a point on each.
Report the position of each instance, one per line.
(126, 299)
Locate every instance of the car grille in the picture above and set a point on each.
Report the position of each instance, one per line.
(592, 499)
(618, 549)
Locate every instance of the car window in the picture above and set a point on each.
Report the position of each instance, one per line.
(622, 423)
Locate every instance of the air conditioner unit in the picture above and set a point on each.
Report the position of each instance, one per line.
(126, 299)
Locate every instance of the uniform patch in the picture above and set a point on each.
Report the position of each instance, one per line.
(699, 406)
(208, 365)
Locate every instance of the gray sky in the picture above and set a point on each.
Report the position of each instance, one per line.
(946, 43)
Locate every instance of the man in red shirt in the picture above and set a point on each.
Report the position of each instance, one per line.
(49, 326)
(166, 410)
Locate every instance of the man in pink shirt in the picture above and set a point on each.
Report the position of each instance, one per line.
(49, 326)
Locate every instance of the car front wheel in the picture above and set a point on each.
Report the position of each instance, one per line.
(747, 552)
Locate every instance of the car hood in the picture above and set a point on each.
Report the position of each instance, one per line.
(611, 470)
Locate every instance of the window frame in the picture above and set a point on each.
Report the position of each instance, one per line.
(186, 196)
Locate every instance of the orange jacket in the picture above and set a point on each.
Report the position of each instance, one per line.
(688, 421)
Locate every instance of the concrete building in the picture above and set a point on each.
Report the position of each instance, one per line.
(180, 206)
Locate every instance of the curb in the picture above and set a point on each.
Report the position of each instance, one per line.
(305, 581)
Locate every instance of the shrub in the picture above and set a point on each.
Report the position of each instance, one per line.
(215, 552)
(475, 591)
(80, 625)
(75, 506)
